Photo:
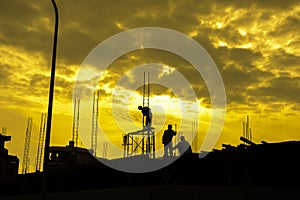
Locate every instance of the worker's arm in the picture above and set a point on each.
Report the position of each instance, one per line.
(150, 115)
(164, 138)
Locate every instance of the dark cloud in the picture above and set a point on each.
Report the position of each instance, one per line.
(126, 63)
(273, 5)
(24, 24)
(19, 12)
(39, 85)
(157, 90)
(63, 89)
(291, 23)
(243, 58)
(283, 61)
(281, 89)
(5, 73)
(238, 72)
(83, 24)
(66, 70)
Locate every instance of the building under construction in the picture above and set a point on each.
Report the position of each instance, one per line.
(74, 169)
(9, 164)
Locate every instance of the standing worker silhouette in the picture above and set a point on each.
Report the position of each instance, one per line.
(148, 114)
(167, 140)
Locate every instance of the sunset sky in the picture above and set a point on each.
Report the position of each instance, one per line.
(254, 44)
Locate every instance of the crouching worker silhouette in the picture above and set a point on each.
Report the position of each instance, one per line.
(148, 114)
(183, 146)
(167, 140)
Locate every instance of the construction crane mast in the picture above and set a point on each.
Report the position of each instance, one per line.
(27, 146)
(95, 122)
(41, 142)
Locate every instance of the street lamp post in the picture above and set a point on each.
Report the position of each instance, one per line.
(51, 91)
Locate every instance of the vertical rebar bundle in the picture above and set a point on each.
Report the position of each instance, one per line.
(76, 121)
(247, 131)
(95, 118)
(27, 146)
(150, 139)
(146, 102)
(146, 92)
(41, 142)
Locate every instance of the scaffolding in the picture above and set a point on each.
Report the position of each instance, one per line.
(41, 142)
(95, 122)
(135, 141)
(141, 141)
(25, 164)
(75, 121)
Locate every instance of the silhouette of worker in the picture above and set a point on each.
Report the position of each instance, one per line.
(148, 114)
(167, 140)
(183, 146)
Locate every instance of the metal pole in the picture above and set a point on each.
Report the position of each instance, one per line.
(244, 132)
(148, 101)
(247, 128)
(52, 78)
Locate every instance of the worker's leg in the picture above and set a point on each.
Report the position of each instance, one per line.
(165, 150)
(170, 147)
(148, 122)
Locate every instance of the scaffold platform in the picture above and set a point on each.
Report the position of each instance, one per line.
(139, 142)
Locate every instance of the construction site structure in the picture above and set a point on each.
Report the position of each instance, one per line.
(247, 131)
(25, 164)
(70, 157)
(95, 118)
(41, 142)
(9, 164)
(135, 141)
(76, 121)
(141, 141)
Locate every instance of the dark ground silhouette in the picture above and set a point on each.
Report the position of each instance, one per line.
(267, 164)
